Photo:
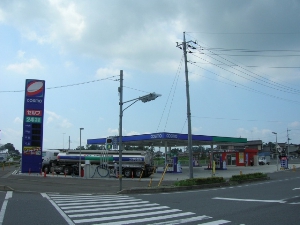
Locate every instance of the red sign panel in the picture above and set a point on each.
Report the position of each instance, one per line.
(33, 112)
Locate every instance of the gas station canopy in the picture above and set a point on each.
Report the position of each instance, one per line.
(164, 139)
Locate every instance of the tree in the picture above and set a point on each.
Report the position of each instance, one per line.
(78, 148)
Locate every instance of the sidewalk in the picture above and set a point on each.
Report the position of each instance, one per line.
(202, 172)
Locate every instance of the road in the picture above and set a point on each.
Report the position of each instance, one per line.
(271, 202)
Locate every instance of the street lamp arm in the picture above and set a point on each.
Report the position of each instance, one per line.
(130, 105)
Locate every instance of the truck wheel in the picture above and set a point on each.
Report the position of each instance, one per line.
(127, 173)
(46, 169)
(67, 170)
(137, 173)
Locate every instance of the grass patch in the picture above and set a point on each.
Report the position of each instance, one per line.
(249, 176)
(199, 181)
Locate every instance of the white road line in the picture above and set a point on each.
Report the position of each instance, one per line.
(249, 200)
(181, 221)
(67, 219)
(217, 222)
(110, 208)
(104, 205)
(3, 208)
(95, 202)
(88, 200)
(118, 212)
(147, 219)
(123, 217)
(296, 189)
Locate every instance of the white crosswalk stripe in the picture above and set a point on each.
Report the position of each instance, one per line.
(117, 210)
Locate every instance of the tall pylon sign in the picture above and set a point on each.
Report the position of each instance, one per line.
(32, 141)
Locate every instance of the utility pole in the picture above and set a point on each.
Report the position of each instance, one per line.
(288, 139)
(69, 142)
(120, 129)
(188, 105)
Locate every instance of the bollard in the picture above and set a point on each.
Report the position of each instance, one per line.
(65, 173)
(131, 174)
(294, 168)
(150, 183)
(241, 173)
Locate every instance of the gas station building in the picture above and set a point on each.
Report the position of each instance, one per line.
(167, 140)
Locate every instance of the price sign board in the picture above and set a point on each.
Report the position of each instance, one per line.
(32, 142)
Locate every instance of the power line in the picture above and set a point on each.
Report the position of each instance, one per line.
(260, 78)
(70, 85)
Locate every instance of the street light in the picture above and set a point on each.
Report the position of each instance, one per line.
(80, 129)
(276, 149)
(145, 98)
(64, 141)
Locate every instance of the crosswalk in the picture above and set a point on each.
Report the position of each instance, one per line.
(117, 210)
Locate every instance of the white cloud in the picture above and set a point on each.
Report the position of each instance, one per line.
(132, 133)
(25, 67)
(294, 124)
(58, 120)
(106, 72)
(69, 20)
(112, 132)
(65, 123)
(21, 54)
(18, 120)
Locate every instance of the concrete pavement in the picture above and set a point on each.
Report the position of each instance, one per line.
(62, 184)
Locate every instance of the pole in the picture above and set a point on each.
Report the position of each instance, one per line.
(79, 152)
(188, 110)
(276, 151)
(69, 143)
(120, 128)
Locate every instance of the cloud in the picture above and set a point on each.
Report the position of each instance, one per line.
(106, 72)
(58, 120)
(25, 67)
(112, 132)
(294, 124)
(132, 133)
(18, 120)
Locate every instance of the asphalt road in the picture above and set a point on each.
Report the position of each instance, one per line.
(275, 201)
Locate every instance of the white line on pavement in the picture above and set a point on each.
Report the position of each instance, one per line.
(3, 208)
(249, 200)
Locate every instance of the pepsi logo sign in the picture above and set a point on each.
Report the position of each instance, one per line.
(35, 88)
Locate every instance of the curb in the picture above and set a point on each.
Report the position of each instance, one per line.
(5, 188)
(171, 188)
(187, 188)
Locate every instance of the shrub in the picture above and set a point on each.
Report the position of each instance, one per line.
(199, 181)
(248, 176)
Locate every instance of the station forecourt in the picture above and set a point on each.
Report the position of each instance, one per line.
(168, 140)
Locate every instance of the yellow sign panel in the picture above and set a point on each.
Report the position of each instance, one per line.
(29, 150)
(241, 157)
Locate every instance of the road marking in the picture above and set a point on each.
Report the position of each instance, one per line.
(182, 221)
(149, 219)
(296, 189)
(217, 222)
(67, 219)
(127, 216)
(249, 200)
(3, 208)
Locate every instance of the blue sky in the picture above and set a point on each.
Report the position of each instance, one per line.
(244, 73)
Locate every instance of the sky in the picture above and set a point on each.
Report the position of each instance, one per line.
(243, 68)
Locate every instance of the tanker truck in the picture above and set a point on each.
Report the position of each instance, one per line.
(134, 163)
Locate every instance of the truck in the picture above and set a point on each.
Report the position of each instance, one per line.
(134, 163)
(263, 160)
